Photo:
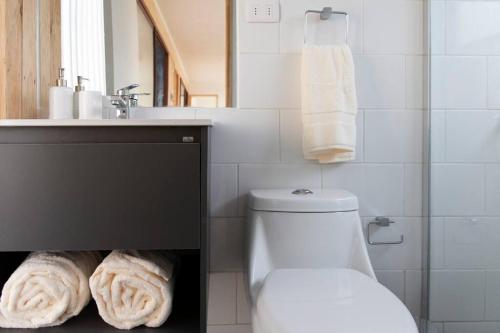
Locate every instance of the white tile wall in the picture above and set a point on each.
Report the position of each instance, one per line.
(377, 89)
(226, 244)
(393, 27)
(394, 281)
(413, 190)
(436, 243)
(259, 144)
(269, 81)
(492, 311)
(465, 173)
(224, 190)
(366, 181)
(472, 136)
(438, 27)
(493, 189)
(435, 327)
(459, 82)
(494, 82)
(472, 27)
(291, 143)
(438, 136)
(415, 84)
(476, 327)
(413, 295)
(457, 295)
(472, 243)
(245, 136)
(243, 313)
(222, 299)
(457, 189)
(393, 136)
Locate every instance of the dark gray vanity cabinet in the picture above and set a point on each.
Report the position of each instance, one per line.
(111, 187)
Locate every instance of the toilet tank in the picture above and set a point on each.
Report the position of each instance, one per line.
(303, 229)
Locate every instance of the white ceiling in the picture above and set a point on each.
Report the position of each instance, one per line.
(198, 29)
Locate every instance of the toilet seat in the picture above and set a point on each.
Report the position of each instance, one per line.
(328, 301)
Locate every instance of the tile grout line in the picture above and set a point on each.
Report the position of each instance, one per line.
(405, 174)
(484, 294)
(405, 272)
(485, 190)
(238, 197)
(237, 292)
(280, 143)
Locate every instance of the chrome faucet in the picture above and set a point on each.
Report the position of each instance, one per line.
(124, 100)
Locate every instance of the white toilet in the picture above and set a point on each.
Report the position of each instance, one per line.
(309, 269)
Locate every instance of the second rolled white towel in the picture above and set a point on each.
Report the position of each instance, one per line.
(47, 289)
(133, 288)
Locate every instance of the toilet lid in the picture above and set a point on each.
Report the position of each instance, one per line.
(328, 301)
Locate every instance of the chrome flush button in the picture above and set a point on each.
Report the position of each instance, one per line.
(302, 191)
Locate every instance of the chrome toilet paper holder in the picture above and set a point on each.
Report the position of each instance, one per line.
(381, 221)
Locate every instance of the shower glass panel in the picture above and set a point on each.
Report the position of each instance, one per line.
(464, 163)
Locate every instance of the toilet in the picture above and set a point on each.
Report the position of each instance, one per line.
(309, 270)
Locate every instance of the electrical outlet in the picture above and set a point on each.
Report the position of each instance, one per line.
(262, 11)
(271, 11)
(253, 10)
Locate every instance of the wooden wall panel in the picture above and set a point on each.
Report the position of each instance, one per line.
(50, 50)
(14, 44)
(18, 63)
(3, 67)
(229, 51)
(28, 89)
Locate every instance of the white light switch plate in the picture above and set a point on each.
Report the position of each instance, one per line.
(262, 11)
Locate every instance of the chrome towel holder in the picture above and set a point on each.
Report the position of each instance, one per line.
(325, 14)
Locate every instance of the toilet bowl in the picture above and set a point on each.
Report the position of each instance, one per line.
(309, 270)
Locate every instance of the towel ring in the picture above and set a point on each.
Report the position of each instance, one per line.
(325, 14)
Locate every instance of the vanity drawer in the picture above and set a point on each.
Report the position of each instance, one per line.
(100, 196)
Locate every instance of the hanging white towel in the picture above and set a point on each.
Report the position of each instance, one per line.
(329, 103)
(47, 289)
(133, 288)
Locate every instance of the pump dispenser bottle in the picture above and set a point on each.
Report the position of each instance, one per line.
(61, 99)
(86, 104)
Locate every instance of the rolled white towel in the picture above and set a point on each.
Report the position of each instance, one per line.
(47, 289)
(133, 288)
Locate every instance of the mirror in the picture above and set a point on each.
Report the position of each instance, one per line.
(178, 51)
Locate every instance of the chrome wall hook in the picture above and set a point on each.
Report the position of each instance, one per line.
(381, 221)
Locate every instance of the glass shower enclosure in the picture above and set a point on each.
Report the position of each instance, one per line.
(462, 285)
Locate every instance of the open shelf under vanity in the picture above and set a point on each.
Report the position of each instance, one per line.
(109, 187)
(185, 316)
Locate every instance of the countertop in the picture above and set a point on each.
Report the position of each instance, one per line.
(104, 122)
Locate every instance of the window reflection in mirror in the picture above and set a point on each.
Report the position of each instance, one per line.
(182, 50)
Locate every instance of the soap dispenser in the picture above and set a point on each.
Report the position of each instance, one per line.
(87, 104)
(61, 99)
